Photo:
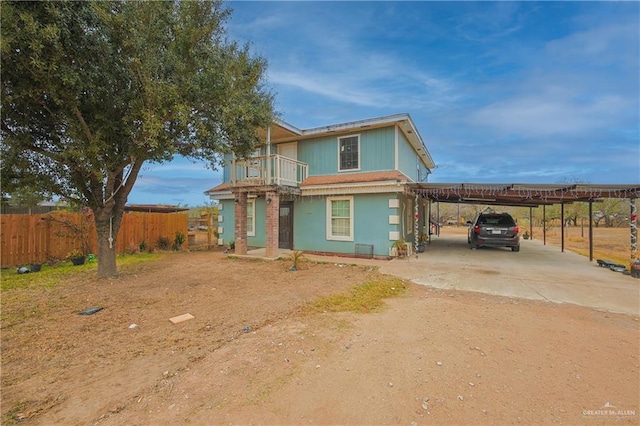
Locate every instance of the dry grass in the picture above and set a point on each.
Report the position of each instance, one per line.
(612, 244)
(363, 297)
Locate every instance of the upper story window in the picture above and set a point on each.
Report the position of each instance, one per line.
(349, 153)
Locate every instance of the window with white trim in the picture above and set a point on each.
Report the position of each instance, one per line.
(251, 218)
(340, 218)
(349, 153)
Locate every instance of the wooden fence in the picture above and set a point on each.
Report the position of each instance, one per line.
(26, 239)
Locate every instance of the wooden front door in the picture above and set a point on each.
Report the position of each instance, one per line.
(285, 226)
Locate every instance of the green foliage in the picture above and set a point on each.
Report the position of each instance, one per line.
(364, 297)
(296, 257)
(62, 273)
(142, 246)
(93, 90)
(399, 244)
(73, 254)
(178, 240)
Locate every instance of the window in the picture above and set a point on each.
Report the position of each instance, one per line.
(340, 218)
(251, 218)
(349, 153)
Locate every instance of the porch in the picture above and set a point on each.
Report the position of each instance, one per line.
(269, 177)
(272, 169)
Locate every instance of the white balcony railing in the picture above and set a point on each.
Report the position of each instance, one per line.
(268, 170)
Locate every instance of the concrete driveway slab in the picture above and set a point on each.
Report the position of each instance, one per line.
(537, 272)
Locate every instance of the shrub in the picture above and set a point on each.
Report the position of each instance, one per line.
(164, 243)
(296, 257)
(178, 240)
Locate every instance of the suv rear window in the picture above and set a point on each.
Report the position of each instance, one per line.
(498, 220)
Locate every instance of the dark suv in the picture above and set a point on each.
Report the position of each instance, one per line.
(494, 229)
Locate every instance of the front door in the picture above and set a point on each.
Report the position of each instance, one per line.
(285, 226)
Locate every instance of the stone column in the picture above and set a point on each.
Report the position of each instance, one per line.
(272, 223)
(241, 222)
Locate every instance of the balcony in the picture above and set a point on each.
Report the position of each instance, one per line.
(268, 170)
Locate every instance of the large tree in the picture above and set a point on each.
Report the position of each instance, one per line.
(93, 90)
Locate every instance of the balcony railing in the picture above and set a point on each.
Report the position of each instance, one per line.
(268, 170)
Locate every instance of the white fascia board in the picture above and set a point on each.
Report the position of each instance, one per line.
(361, 188)
(221, 195)
(287, 126)
(413, 136)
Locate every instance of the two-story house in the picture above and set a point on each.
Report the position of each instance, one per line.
(339, 189)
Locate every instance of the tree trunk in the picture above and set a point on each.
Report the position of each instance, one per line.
(107, 227)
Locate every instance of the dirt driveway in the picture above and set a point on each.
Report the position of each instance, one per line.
(251, 356)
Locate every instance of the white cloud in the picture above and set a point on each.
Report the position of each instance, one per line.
(532, 115)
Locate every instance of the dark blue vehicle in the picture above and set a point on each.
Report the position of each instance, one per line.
(494, 229)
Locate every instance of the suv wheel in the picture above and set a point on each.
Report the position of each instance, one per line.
(515, 248)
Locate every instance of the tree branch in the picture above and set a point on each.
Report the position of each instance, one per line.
(83, 124)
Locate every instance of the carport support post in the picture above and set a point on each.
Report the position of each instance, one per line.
(633, 224)
(544, 224)
(429, 220)
(530, 222)
(416, 230)
(590, 230)
(562, 227)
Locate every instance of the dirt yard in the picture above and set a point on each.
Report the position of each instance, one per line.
(251, 355)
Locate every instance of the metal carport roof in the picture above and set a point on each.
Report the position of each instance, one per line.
(521, 194)
(533, 195)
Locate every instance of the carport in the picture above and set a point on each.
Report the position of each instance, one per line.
(531, 195)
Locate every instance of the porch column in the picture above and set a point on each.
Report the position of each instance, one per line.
(272, 223)
(241, 222)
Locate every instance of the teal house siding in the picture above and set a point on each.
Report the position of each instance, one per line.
(371, 225)
(226, 169)
(376, 152)
(321, 154)
(227, 224)
(407, 158)
(309, 218)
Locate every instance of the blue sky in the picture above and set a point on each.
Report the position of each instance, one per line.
(505, 92)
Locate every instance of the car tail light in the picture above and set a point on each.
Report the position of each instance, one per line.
(516, 230)
(476, 229)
